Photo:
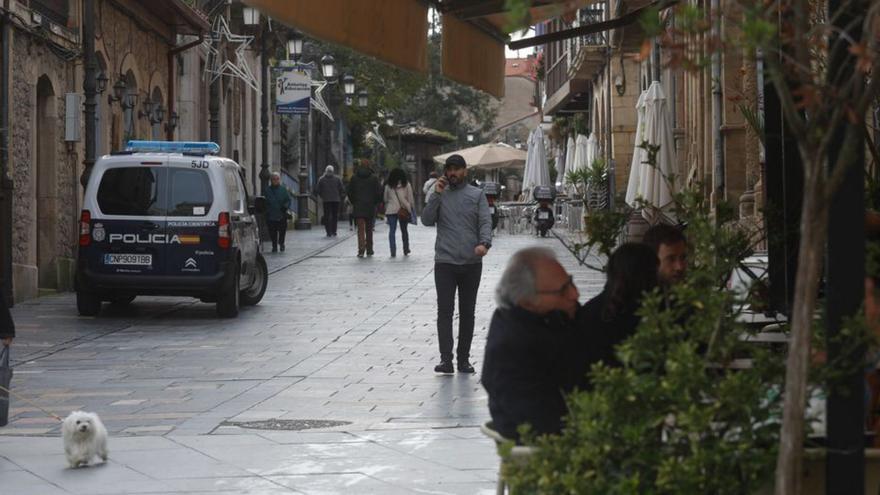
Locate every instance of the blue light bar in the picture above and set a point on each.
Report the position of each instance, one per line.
(206, 147)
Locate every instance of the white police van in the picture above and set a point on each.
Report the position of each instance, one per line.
(172, 219)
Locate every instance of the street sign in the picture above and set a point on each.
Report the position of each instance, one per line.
(293, 90)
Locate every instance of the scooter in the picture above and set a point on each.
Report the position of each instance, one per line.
(544, 217)
(492, 191)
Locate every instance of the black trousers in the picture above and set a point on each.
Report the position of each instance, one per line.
(466, 279)
(277, 231)
(331, 216)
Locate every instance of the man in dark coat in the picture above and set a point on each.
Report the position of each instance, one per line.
(332, 192)
(277, 204)
(523, 370)
(365, 194)
(7, 326)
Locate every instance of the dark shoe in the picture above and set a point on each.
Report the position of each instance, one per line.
(274, 249)
(393, 255)
(360, 255)
(282, 248)
(465, 367)
(370, 253)
(406, 252)
(444, 368)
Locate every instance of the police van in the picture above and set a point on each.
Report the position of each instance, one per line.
(171, 219)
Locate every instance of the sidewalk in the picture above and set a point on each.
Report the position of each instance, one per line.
(336, 338)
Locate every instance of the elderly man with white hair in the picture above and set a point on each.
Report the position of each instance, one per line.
(525, 370)
(277, 205)
(332, 192)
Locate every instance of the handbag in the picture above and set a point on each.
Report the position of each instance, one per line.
(403, 214)
(5, 382)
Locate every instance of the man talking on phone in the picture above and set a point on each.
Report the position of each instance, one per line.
(464, 235)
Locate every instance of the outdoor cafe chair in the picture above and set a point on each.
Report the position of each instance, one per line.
(518, 453)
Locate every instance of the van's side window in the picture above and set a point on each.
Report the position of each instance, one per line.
(134, 191)
(234, 189)
(189, 193)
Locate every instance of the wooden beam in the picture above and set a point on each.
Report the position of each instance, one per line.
(597, 27)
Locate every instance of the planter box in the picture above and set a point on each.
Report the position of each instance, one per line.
(814, 473)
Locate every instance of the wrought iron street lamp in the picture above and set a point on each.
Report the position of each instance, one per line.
(118, 91)
(251, 16)
(328, 69)
(348, 88)
(147, 109)
(294, 46)
(363, 98)
(158, 114)
(172, 122)
(470, 137)
(389, 119)
(101, 80)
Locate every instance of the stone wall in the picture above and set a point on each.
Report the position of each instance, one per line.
(31, 60)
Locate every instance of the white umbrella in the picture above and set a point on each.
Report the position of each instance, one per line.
(635, 167)
(537, 173)
(592, 149)
(488, 156)
(581, 153)
(569, 156)
(560, 163)
(653, 183)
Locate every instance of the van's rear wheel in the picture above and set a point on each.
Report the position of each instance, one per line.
(228, 301)
(87, 304)
(253, 295)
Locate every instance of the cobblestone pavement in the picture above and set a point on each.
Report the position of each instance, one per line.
(335, 338)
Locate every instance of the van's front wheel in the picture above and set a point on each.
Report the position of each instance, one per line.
(229, 301)
(253, 295)
(87, 304)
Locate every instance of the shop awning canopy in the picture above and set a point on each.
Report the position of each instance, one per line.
(396, 31)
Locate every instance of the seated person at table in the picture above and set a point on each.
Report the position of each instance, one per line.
(670, 245)
(522, 370)
(610, 318)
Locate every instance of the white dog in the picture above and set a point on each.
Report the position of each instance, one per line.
(84, 438)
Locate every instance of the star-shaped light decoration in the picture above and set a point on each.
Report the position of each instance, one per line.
(318, 100)
(222, 66)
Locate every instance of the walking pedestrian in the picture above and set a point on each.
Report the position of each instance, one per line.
(365, 193)
(277, 205)
(429, 184)
(331, 191)
(398, 208)
(7, 326)
(464, 235)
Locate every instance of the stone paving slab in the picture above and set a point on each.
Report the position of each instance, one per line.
(336, 337)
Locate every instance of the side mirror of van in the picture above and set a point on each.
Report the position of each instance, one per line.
(258, 206)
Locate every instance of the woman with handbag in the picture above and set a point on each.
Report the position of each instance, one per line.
(398, 208)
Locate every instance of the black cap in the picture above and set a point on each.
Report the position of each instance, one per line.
(455, 161)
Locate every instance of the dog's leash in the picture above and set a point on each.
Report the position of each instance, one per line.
(50, 414)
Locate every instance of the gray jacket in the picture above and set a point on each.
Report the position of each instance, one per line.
(330, 188)
(462, 217)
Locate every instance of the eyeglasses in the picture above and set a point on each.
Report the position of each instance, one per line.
(560, 291)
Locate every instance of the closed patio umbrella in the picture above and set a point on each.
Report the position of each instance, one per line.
(653, 184)
(537, 173)
(635, 168)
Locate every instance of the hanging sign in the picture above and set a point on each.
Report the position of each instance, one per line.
(293, 90)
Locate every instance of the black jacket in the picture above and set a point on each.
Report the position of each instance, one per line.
(523, 370)
(365, 193)
(7, 326)
(597, 337)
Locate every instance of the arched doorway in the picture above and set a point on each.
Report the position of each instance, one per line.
(129, 108)
(45, 131)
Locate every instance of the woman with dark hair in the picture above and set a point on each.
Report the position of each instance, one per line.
(398, 208)
(610, 318)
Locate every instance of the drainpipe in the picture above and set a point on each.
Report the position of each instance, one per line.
(608, 154)
(169, 131)
(90, 90)
(717, 117)
(6, 184)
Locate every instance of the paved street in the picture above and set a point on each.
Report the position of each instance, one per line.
(336, 338)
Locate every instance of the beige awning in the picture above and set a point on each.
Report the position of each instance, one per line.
(489, 156)
(396, 31)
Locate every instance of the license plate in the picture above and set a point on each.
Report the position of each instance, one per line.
(543, 215)
(128, 259)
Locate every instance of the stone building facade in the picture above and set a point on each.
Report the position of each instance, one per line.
(132, 42)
